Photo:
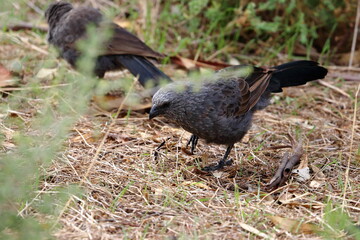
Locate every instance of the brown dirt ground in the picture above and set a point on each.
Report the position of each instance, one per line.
(128, 193)
(168, 197)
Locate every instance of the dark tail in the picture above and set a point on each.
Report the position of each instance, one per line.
(149, 75)
(294, 74)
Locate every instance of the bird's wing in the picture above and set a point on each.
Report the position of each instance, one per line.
(121, 42)
(72, 27)
(240, 94)
(124, 42)
(258, 81)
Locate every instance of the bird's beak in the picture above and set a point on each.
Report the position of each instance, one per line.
(153, 112)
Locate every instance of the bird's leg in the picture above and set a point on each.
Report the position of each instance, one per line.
(156, 153)
(193, 140)
(222, 162)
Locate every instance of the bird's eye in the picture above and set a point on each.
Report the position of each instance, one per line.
(165, 105)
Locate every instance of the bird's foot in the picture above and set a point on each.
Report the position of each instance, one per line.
(193, 141)
(156, 152)
(218, 166)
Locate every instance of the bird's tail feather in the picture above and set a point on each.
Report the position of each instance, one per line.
(294, 74)
(148, 74)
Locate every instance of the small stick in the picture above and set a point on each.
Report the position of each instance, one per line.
(287, 164)
(356, 27)
(351, 146)
(336, 89)
(25, 26)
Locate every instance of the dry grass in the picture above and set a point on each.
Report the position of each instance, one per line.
(128, 193)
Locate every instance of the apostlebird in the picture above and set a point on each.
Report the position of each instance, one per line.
(67, 25)
(220, 108)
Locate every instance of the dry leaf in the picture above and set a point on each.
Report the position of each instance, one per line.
(286, 196)
(46, 73)
(294, 226)
(246, 139)
(8, 145)
(305, 205)
(304, 163)
(123, 22)
(303, 174)
(318, 173)
(158, 194)
(87, 136)
(187, 63)
(268, 199)
(198, 184)
(315, 184)
(254, 231)
(145, 135)
(5, 77)
(300, 121)
(158, 191)
(8, 138)
(218, 174)
(234, 61)
(190, 63)
(109, 103)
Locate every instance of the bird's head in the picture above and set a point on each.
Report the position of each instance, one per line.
(161, 102)
(169, 100)
(55, 11)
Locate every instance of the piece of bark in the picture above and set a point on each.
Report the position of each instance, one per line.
(288, 162)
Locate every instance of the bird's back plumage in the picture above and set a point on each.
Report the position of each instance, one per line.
(67, 25)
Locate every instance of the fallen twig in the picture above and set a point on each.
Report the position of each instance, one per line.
(26, 26)
(336, 89)
(287, 164)
(347, 76)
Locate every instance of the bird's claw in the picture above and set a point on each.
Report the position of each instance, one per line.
(228, 162)
(217, 166)
(193, 141)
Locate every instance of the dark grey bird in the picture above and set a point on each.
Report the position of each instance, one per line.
(67, 25)
(220, 109)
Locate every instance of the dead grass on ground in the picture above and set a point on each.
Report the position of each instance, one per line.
(128, 193)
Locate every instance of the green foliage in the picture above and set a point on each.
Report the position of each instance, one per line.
(38, 143)
(207, 26)
(338, 224)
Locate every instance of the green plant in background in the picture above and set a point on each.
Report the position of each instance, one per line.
(266, 28)
(198, 24)
(38, 142)
(338, 224)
